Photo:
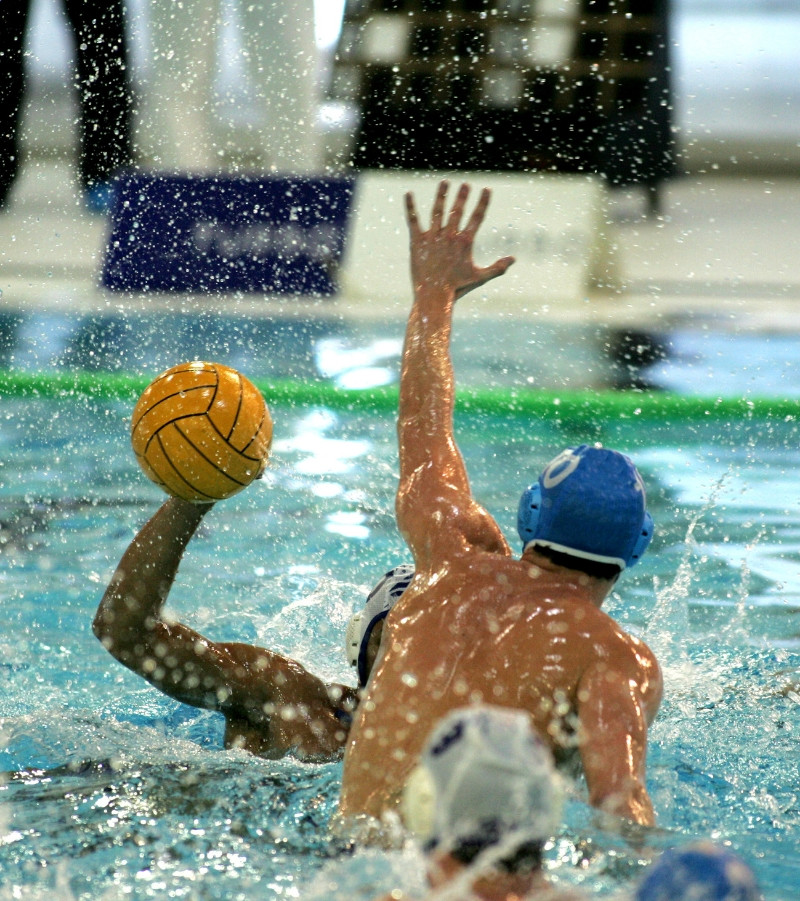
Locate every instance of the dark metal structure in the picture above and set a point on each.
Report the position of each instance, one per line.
(519, 85)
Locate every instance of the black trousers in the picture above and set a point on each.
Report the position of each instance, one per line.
(101, 79)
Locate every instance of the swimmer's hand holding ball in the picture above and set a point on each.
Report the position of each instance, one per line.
(201, 432)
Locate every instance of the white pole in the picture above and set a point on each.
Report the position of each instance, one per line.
(179, 129)
(176, 122)
(282, 65)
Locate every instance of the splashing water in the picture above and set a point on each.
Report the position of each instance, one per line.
(111, 790)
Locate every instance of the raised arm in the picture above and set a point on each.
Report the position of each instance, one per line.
(433, 477)
(129, 620)
(243, 681)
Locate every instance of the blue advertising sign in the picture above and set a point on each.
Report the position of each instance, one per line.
(208, 234)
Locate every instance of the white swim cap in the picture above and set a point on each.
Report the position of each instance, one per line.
(484, 775)
(379, 602)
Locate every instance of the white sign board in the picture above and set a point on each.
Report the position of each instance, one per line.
(555, 226)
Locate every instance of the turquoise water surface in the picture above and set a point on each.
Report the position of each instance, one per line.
(111, 790)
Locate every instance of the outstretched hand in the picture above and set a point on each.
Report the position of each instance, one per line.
(441, 257)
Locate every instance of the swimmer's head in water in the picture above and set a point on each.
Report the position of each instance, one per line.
(362, 624)
(485, 780)
(590, 503)
(701, 871)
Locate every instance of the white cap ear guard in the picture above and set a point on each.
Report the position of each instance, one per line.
(418, 803)
(379, 602)
(482, 766)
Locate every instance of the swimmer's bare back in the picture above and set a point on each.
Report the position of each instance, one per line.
(510, 632)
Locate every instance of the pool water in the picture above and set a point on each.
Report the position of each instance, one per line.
(109, 790)
(706, 358)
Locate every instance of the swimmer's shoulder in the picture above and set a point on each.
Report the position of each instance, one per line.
(625, 646)
(633, 660)
(630, 647)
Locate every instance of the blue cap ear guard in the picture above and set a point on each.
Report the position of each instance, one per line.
(590, 503)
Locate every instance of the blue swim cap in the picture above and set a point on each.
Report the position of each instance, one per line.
(589, 502)
(701, 871)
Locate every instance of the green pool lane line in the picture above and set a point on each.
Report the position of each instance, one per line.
(573, 406)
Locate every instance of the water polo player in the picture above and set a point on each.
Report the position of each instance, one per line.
(482, 802)
(699, 871)
(478, 625)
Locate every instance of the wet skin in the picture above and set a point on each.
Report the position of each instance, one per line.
(272, 705)
(477, 624)
(446, 875)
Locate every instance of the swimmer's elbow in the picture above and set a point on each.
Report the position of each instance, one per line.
(407, 503)
(98, 627)
(103, 630)
(117, 635)
(102, 623)
(416, 520)
(402, 505)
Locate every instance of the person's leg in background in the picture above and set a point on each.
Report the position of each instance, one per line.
(177, 122)
(105, 96)
(13, 27)
(282, 65)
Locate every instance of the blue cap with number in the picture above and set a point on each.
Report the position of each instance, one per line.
(589, 502)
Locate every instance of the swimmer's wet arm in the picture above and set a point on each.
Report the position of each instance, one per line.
(427, 389)
(130, 612)
(130, 623)
(442, 270)
(613, 717)
(432, 471)
(231, 677)
(260, 684)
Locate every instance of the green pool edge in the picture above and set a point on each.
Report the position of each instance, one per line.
(588, 405)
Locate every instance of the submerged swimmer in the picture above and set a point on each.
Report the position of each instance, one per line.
(482, 802)
(478, 625)
(272, 705)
